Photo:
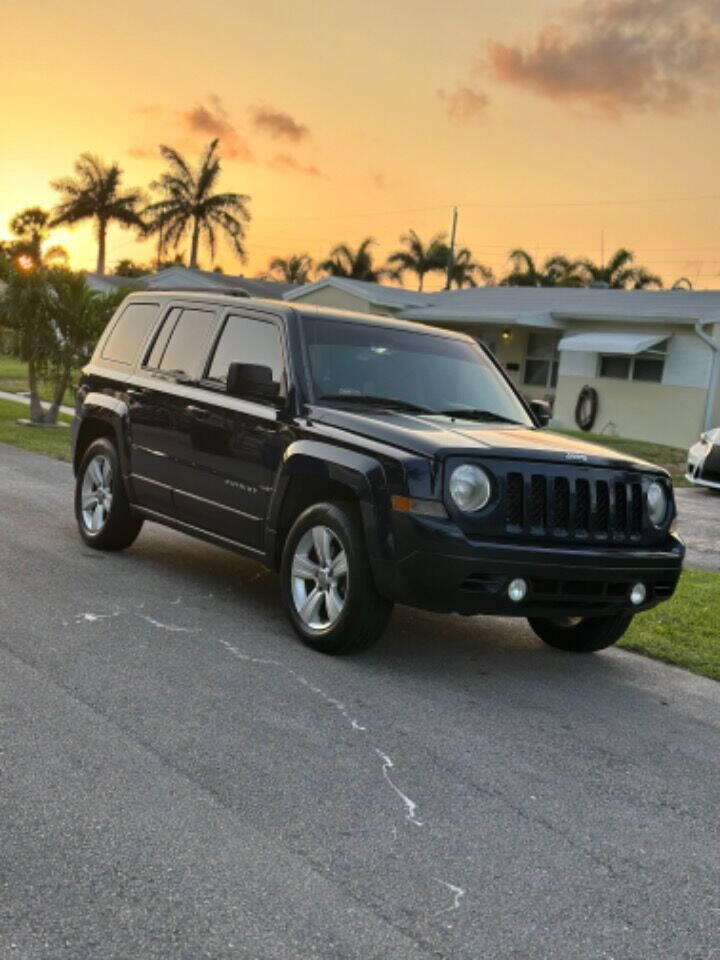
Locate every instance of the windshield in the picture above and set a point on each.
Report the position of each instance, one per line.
(381, 367)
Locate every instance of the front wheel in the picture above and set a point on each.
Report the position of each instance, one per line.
(101, 504)
(581, 634)
(327, 584)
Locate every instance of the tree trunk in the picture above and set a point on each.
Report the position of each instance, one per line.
(194, 245)
(420, 284)
(102, 229)
(61, 385)
(37, 414)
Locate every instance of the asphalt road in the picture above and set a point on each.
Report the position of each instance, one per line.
(699, 525)
(181, 779)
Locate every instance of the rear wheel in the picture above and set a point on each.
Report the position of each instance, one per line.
(102, 508)
(327, 585)
(581, 634)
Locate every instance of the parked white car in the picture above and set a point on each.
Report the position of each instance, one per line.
(703, 466)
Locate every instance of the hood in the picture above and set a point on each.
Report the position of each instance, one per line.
(440, 436)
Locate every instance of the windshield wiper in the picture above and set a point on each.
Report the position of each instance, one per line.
(483, 416)
(369, 400)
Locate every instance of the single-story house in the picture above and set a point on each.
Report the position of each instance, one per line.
(182, 278)
(652, 356)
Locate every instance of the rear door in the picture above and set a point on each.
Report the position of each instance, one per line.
(158, 393)
(233, 446)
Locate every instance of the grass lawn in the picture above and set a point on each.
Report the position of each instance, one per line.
(685, 630)
(52, 442)
(673, 459)
(13, 378)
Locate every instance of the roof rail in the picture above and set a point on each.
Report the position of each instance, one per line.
(209, 292)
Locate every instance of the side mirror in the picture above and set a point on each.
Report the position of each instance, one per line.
(541, 411)
(252, 381)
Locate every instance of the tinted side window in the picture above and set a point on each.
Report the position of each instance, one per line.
(129, 332)
(247, 340)
(161, 338)
(188, 341)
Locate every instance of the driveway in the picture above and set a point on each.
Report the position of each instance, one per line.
(699, 526)
(181, 779)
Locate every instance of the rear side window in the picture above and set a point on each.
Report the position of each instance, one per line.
(129, 332)
(187, 343)
(247, 340)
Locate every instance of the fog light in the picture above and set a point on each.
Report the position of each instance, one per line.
(638, 594)
(517, 590)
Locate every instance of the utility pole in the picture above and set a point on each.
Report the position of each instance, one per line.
(451, 250)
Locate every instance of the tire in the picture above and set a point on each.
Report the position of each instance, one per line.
(343, 611)
(581, 635)
(586, 408)
(109, 525)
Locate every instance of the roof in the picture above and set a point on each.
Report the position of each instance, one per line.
(488, 304)
(612, 342)
(549, 307)
(178, 278)
(181, 278)
(374, 293)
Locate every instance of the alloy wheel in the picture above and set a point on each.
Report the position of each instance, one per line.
(319, 578)
(96, 494)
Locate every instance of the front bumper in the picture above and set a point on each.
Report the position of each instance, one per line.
(438, 568)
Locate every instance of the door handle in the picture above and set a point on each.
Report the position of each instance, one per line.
(135, 392)
(196, 411)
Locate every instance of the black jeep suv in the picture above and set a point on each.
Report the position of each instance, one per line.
(367, 460)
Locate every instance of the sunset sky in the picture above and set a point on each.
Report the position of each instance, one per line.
(549, 126)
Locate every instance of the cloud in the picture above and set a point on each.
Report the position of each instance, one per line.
(621, 56)
(279, 125)
(143, 153)
(213, 121)
(379, 181)
(283, 161)
(464, 103)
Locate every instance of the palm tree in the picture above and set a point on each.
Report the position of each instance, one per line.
(189, 203)
(292, 269)
(94, 194)
(620, 272)
(556, 271)
(524, 273)
(682, 283)
(560, 271)
(464, 270)
(644, 279)
(418, 258)
(355, 264)
(30, 226)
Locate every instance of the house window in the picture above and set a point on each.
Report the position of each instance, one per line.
(647, 367)
(541, 360)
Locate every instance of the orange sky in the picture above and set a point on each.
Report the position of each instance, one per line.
(548, 126)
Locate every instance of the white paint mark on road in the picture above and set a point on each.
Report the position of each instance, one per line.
(171, 628)
(410, 805)
(94, 617)
(458, 892)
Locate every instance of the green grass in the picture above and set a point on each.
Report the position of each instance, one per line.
(684, 631)
(14, 379)
(673, 459)
(53, 442)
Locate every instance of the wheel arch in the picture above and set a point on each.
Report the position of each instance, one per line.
(102, 416)
(313, 472)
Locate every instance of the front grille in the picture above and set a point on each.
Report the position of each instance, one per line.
(573, 507)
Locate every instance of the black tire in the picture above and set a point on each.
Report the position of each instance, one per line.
(586, 408)
(364, 613)
(120, 527)
(584, 635)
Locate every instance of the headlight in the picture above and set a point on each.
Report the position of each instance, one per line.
(469, 487)
(657, 503)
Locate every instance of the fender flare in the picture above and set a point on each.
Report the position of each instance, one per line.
(110, 411)
(362, 474)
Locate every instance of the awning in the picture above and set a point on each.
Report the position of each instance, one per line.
(624, 344)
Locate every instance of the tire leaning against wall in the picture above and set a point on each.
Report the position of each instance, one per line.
(586, 408)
